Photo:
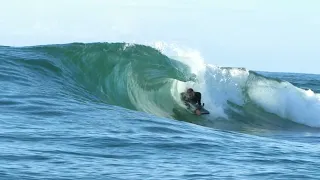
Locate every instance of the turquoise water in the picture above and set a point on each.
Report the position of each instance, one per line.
(112, 111)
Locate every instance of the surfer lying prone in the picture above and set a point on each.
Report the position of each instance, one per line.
(192, 97)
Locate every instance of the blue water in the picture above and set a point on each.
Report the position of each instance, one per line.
(111, 111)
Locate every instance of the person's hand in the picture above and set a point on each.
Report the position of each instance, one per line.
(198, 112)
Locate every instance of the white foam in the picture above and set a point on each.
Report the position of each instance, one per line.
(188, 56)
(220, 85)
(203, 84)
(287, 101)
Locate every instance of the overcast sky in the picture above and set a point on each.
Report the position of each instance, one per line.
(271, 35)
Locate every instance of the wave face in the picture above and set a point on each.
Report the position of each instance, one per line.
(142, 78)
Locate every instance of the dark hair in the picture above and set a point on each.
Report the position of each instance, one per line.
(190, 90)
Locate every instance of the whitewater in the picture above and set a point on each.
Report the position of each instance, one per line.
(113, 111)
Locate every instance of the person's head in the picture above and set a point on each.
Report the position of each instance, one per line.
(190, 92)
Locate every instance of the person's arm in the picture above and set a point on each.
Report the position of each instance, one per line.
(182, 96)
(184, 99)
(199, 99)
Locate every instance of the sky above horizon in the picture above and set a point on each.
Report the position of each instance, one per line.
(281, 36)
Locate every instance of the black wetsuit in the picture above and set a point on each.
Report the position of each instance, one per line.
(196, 99)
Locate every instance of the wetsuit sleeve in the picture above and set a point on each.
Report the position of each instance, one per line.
(199, 99)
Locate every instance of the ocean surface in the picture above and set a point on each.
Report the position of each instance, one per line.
(112, 111)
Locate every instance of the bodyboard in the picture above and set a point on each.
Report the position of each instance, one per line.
(193, 107)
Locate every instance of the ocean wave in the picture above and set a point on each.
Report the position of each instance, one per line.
(142, 78)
